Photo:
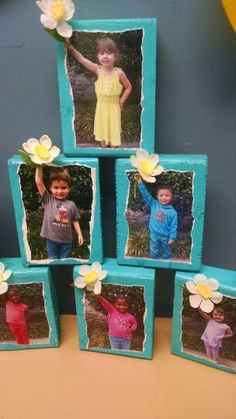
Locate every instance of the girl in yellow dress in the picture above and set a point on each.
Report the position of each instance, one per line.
(112, 89)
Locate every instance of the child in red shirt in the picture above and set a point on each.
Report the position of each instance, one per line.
(16, 313)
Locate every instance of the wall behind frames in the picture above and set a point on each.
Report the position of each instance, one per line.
(195, 113)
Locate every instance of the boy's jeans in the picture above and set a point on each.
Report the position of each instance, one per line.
(159, 247)
(58, 250)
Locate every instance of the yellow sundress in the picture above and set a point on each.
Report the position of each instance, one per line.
(107, 122)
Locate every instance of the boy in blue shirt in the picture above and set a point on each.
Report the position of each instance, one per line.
(163, 220)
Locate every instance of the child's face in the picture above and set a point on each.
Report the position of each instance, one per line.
(121, 305)
(107, 59)
(15, 298)
(59, 189)
(218, 317)
(164, 196)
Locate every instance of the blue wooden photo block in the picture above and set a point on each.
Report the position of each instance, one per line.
(120, 319)
(208, 338)
(139, 241)
(84, 192)
(29, 315)
(92, 127)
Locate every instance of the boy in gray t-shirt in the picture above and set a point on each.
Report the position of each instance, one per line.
(60, 214)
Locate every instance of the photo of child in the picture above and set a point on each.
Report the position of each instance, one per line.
(22, 315)
(210, 336)
(115, 318)
(159, 217)
(102, 79)
(60, 214)
(58, 204)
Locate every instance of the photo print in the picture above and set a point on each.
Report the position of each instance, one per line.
(59, 221)
(23, 318)
(115, 318)
(160, 217)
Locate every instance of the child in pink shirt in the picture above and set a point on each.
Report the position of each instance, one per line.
(16, 317)
(121, 324)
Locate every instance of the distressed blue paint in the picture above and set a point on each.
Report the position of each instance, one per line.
(227, 286)
(22, 275)
(96, 234)
(193, 163)
(126, 276)
(149, 86)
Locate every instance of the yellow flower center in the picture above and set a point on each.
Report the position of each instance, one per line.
(42, 152)
(204, 291)
(146, 167)
(57, 10)
(92, 276)
(1, 278)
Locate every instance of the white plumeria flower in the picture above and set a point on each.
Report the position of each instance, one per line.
(146, 165)
(4, 275)
(204, 294)
(41, 151)
(91, 277)
(55, 14)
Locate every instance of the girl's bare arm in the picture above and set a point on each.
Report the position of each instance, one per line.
(203, 314)
(81, 59)
(126, 87)
(39, 180)
(228, 333)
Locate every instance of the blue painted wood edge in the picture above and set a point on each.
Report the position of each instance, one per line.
(149, 49)
(127, 276)
(196, 163)
(23, 275)
(96, 233)
(227, 286)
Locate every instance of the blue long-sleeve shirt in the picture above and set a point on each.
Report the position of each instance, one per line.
(163, 218)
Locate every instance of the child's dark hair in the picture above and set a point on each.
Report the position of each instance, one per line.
(121, 297)
(165, 186)
(221, 311)
(107, 44)
(60, 174)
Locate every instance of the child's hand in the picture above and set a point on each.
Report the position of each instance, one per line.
(80, 239)
(171, 241)
(121, 104)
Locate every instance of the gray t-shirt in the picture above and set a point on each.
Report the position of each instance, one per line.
(58, 217)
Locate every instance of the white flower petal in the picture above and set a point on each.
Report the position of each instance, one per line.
(195, 300)
(30, 145)
(80, 282)
(133, 161)
(48, 22)
(6, 275)
(44, 7)
(35, 159)
(213, 284)
(2, 268)
(54, 152)
(153, 159)
(69, 12)
(158, 170)
(102, 275)
(147, 178)
(90, 287)
(96, 266)
(200, 279)
(64, 29)
(84, 270)
(46, 141)
(141, 155)
(216, 297)
(191, 287)
(98, 288)
(206, 306)
(3, 287)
